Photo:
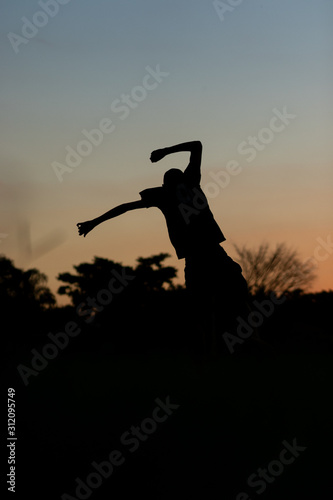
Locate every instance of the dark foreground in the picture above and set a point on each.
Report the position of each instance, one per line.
(250, 426)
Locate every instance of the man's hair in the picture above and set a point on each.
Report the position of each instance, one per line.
(173, 177)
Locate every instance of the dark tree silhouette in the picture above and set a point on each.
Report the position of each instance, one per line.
(150, 276)
(278, 270)
(23, 290)
(126, 316)
(89, 278)
(153, 275)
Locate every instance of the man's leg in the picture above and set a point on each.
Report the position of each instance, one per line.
(232, 296)
(200, 307)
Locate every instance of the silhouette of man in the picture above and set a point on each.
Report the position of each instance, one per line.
(214, 280)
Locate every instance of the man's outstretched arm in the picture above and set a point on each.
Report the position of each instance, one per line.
(194, 147)
(85, 227)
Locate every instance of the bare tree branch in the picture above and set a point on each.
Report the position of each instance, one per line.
(278, 270)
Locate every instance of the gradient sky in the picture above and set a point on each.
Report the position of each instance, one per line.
(222, 80)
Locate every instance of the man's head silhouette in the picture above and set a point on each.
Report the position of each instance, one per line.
(172, 178)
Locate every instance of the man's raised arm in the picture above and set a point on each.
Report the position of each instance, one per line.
(85, 227)
(194, 147)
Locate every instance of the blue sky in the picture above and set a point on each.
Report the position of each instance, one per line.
(224, 80)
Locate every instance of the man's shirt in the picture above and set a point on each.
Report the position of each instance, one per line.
(190, 222)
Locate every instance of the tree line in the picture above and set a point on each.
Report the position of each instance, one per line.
(141, 307)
